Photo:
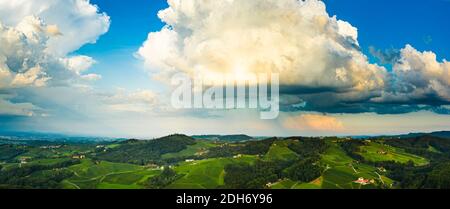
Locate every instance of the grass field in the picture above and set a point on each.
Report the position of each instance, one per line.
(205, 174)
(289, 184)
(191, 150)
(48, 161)
(63, 151)
(7, 166)
(433, 149)
(341, 171)
(104, 174)
(280, 151)
(377, 152)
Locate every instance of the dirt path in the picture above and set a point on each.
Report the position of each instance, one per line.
(354, 169)
(76, 186)
(379, 176)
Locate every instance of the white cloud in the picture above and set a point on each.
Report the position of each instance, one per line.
(318, 56)
(139, 101)
(74, 22)
(418, 77)
(18, 109)
(35, 39)
(25, 61)
(420, 73)
(297, 38)
(79, 64)
(32, 77)
(22, 54)
(91, 77)
(53, 30)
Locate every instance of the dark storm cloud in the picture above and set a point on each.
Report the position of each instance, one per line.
(332, 102)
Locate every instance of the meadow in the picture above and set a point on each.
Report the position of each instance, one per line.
(101, 175)
(378, 152)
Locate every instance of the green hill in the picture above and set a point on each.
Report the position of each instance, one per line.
(205, 174)
(91, 175)
(199, 148)
(225, 138)
(377, 152)
(145, 151)
(280, 151)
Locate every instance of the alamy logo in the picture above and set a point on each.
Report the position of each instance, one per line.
(228, 91)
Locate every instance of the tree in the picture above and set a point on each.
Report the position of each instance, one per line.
(166, 177)
(304, 171)
(439, 177)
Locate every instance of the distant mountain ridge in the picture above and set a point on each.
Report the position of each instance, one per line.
(34, 137)
(232, 138)
(440, 134)
(24, 137)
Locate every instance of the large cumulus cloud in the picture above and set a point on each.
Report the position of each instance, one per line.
(24, 60)
(318, 56)
(77, 22)
(35, 40)
(298, 39)
(419, 77)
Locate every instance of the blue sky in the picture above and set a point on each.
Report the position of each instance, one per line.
(131, 21)
(67, 83)
(393, 24)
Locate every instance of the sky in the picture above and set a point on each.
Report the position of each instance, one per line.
(103, 67)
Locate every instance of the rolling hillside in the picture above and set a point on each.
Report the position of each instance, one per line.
(179, 161)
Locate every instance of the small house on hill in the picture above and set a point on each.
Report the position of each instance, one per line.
(363, 181)
(237, 156)
(24, 160)
(79, 157)
(381, 169)
(382, 152)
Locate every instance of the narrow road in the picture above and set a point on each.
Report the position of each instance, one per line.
(354, 169)
(76, 186)
(379, 176)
